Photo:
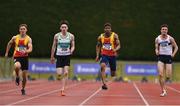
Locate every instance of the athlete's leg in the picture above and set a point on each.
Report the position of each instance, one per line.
(103, 74)
(17, 68)
(112, 63)
(59, 71)
(24, 66)
(65, 77)
(66, 64)
(161, 70)
(24, 80)
(104, 61)
(168, 71)
(60, 64)
(161, 74)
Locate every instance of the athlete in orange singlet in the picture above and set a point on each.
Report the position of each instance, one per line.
(23, 46)
(107, 45)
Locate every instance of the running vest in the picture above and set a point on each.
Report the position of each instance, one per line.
(165, 46)
(21, 44)
(108, 45)
(63, 44)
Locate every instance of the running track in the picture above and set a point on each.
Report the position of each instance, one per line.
(42, 92)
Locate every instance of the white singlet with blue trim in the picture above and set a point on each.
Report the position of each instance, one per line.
(165, 46)
(63, 44)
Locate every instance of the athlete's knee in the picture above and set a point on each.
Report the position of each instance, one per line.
(66, 72)
(59, 71)
(161, 72)
(168, 74)
(103, 66)
(17, 65)
(161, 75)
(168, 71)
(24, 79)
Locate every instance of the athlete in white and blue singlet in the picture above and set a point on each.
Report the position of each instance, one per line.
(165, 49)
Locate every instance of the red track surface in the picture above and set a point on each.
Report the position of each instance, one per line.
(88, 93)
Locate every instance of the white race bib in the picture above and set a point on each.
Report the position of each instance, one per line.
(107, 46)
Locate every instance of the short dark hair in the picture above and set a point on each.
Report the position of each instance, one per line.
(64, 22)
(25, 25)
(107, 24)
(164, 25)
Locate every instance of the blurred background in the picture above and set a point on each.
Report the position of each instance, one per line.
(137, 22)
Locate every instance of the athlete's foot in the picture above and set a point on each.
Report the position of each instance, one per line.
(104, 87)
(17, 81)
(63, 93)
(23, 92)
(164, 93)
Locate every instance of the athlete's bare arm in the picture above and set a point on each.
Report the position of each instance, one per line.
(53, 49)
(9, 45)
(98, 47)
(30, 47)
(175, 46)
(72, 44)
(117, 41)
(156, 47)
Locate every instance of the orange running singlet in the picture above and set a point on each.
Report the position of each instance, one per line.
(21, 44)
(108, 45)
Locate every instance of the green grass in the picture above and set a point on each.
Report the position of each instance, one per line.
(176, 72)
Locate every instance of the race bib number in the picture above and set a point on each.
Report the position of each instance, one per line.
(107, 46)
(63, 51)
(21, 48)
(164, 44)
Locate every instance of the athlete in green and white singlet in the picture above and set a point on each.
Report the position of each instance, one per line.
(64, 44)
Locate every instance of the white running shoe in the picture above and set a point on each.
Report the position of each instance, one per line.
(164, 93)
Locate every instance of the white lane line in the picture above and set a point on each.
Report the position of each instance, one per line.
(82, 103)
(87, 99)
(7, 91)
(11, 90)
(142, 97)
(173, 89)
(43, 94)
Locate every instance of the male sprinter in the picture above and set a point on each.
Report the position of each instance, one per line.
(64, 44)
(23, 46)
(107, 45)
(165, 49)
